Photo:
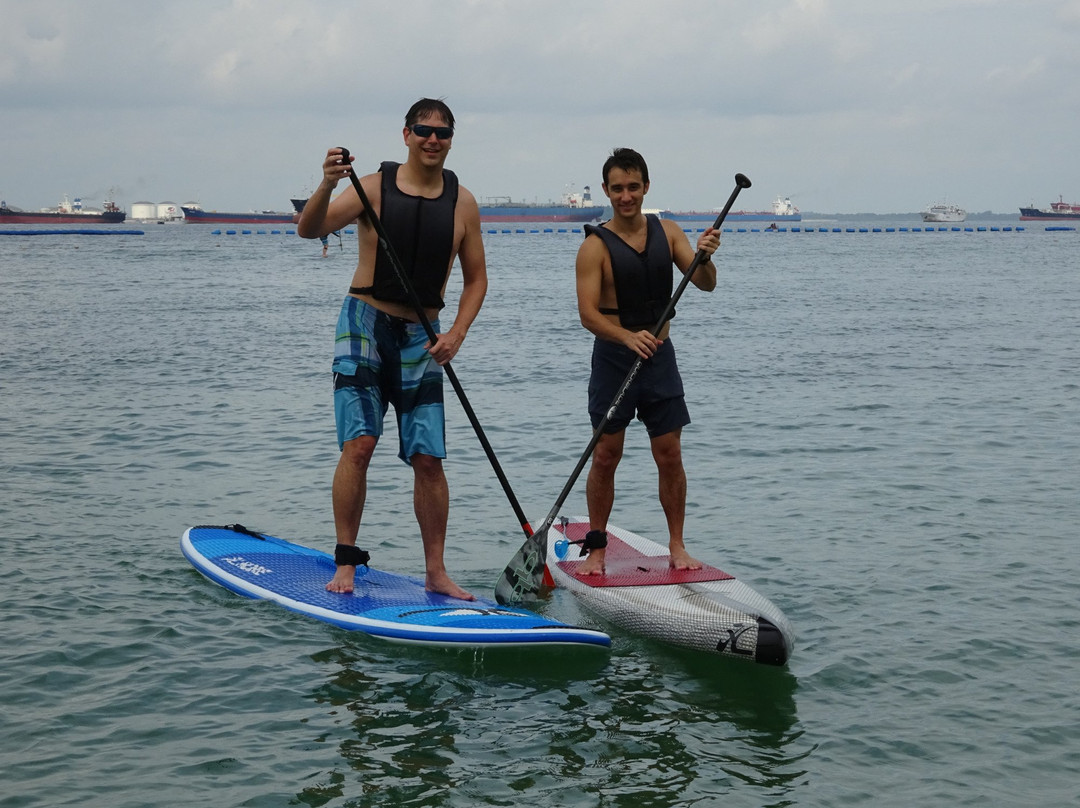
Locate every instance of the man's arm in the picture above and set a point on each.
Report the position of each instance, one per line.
(683, 255)
(474, 280)
(321, 216)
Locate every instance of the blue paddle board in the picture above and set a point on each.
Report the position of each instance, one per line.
(386, 605)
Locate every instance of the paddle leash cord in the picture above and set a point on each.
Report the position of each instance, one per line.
(343, 553)
(239, 528)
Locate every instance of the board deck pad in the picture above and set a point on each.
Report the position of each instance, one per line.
(384, 604)
(627, 566)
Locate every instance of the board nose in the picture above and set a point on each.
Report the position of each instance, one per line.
(773, 648)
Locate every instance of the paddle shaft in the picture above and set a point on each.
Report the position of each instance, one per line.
(421, 314)
(535, 550)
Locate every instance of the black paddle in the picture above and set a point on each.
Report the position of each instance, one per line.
(422, 317)
(523, 577)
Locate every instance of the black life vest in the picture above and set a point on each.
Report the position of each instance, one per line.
(643, 280)
(421, 231)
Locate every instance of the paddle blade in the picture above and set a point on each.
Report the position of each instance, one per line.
(523, 579)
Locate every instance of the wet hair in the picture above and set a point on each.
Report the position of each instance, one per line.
(627, 160)
(429, 106)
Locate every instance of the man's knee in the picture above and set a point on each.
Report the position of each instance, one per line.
(606, 456)
(358, 451)
(667, 451)
(426, 467)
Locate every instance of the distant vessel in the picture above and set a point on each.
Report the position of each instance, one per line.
(782, 211)
(1058, 210)
(944, 213)
(193, 214)
(574, 207)
(64, 213)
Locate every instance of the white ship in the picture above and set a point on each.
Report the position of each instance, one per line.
(944, 213)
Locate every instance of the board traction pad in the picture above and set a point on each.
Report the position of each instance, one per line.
(627, 566)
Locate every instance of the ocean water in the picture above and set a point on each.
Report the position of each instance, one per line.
(885, 440)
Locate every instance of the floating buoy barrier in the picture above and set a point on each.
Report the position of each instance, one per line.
(505, 230)
(778, 230)
(70, 232)
(519, 231)
(219, 232)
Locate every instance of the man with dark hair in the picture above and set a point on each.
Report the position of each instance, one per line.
(382, 355)
(624, 281)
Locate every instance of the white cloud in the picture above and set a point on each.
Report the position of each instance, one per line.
(853, 105)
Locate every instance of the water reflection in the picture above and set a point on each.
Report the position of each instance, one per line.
(643, 726)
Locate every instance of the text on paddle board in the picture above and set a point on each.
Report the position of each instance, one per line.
(249, 567)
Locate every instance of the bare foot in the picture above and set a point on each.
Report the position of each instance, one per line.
(681, 560)
(342, 580)
(442, 585)
(594, 564)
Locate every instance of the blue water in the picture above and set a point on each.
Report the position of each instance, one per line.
(885, 441)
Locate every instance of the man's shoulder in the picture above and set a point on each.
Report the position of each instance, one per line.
(670, 226)
(593, 244)
(465, 195)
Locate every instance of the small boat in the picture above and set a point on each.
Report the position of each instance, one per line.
(782, 211)
(943, 212)
(1057, 210)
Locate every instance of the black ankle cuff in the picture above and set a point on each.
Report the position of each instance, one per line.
(349, 555)
(594, 540)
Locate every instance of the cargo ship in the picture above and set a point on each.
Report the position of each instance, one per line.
(64, 213)
(1057, 210)
(782, 211)
(574, 207)
(193, 214)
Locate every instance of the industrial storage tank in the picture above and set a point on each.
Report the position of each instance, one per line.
(143, 211)
(169, 211)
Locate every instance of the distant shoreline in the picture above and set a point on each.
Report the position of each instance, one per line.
(806, 215)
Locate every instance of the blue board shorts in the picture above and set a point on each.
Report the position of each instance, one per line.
(380, 360)
(656, 394)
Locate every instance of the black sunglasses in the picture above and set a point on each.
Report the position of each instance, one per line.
(422, 130)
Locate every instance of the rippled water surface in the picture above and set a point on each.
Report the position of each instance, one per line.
(885, 441)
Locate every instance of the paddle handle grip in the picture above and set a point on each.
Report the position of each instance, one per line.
(700, 257)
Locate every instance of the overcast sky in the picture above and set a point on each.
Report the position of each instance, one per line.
(845, 105)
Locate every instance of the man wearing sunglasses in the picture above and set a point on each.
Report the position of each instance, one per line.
(382, 355)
